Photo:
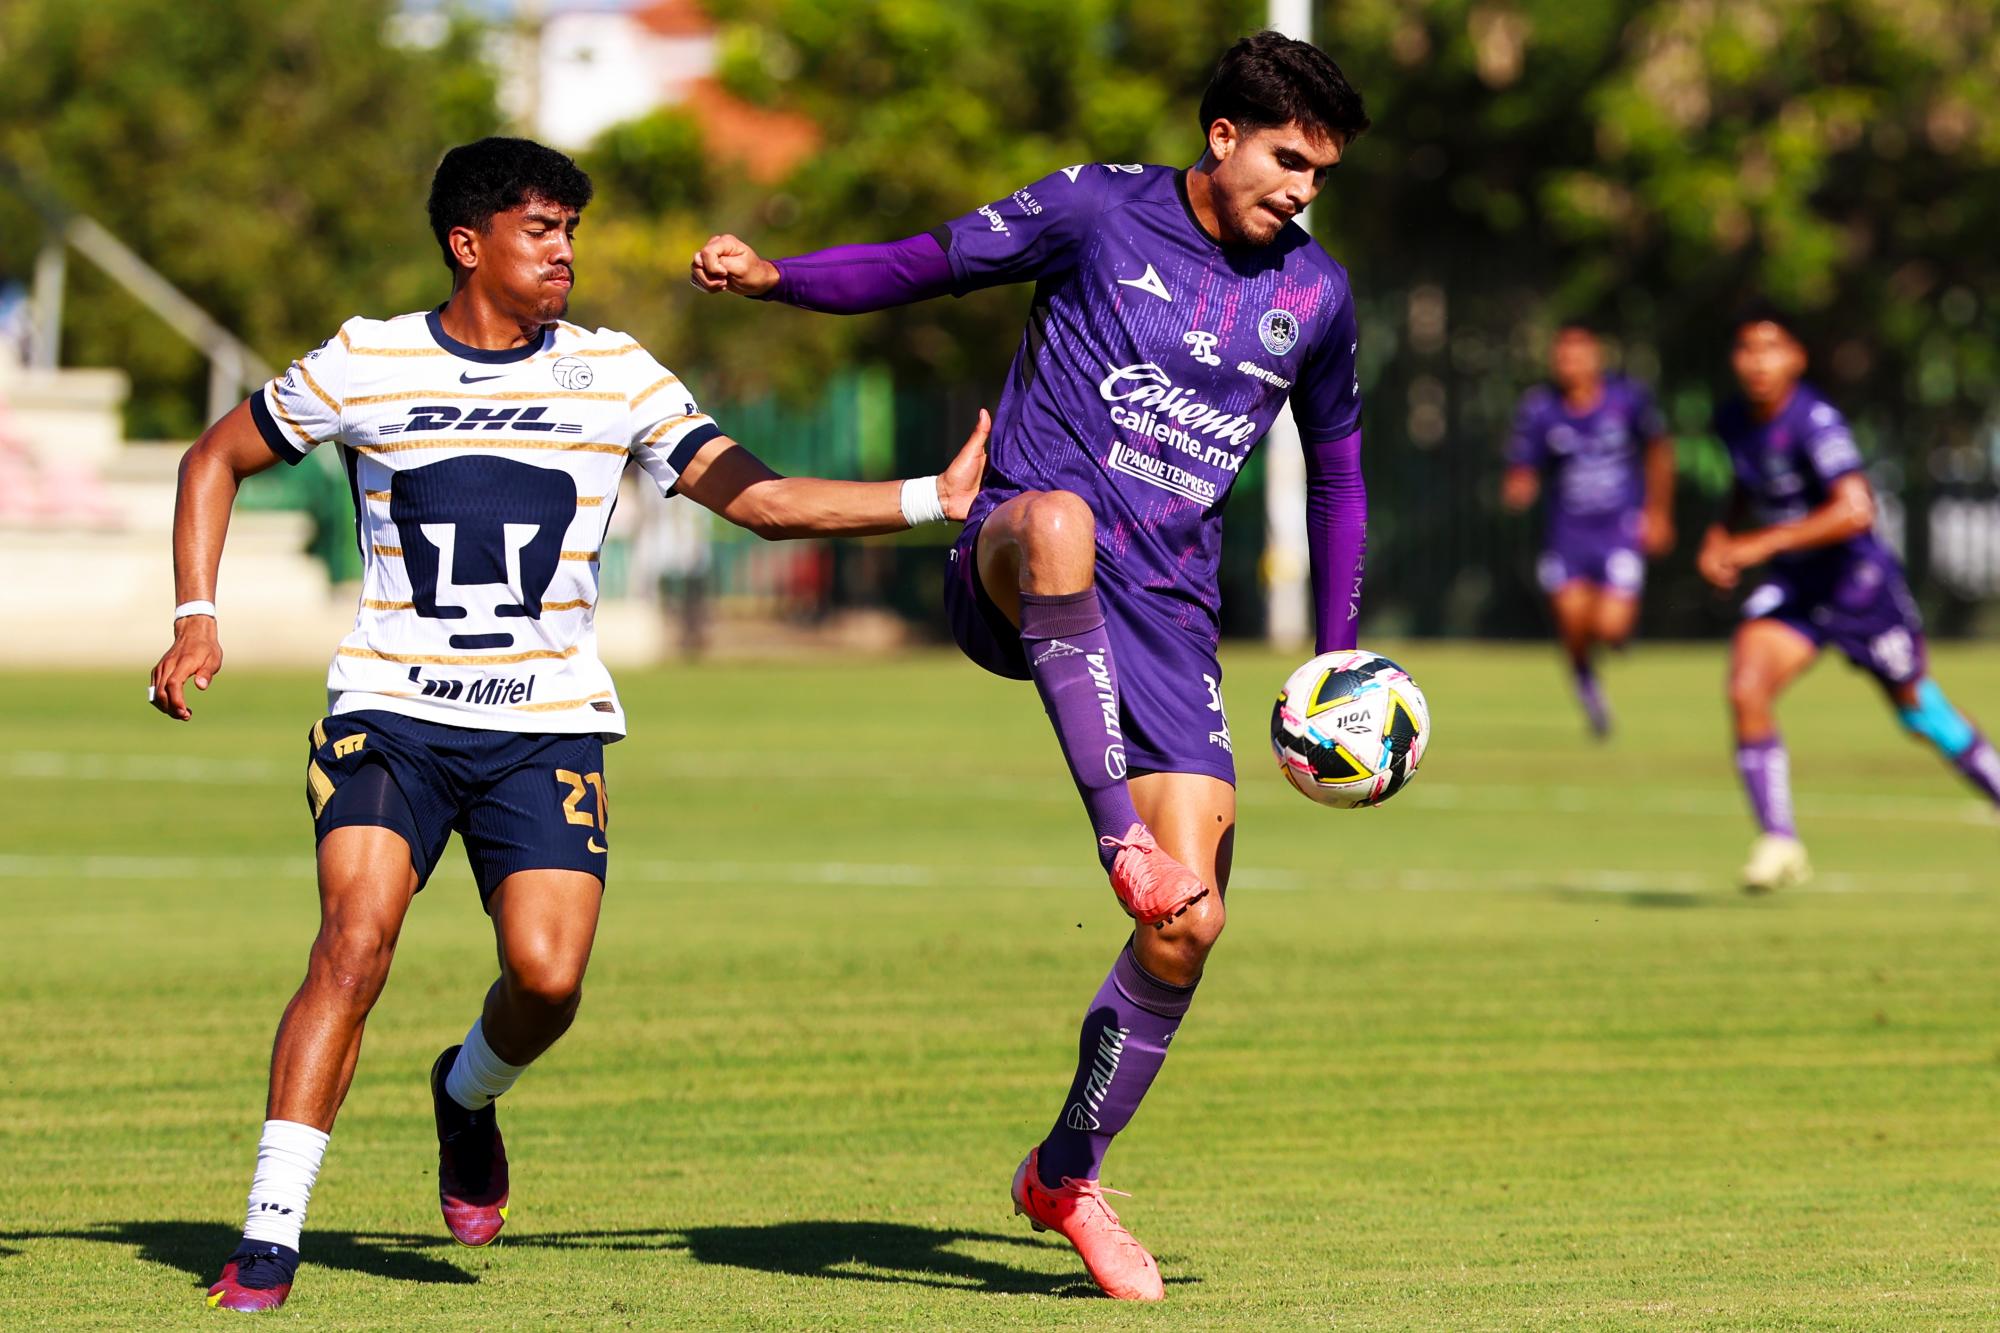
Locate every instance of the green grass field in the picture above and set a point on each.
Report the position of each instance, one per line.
(1509, 1053)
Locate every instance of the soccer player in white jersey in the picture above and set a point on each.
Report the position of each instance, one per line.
(484, 441)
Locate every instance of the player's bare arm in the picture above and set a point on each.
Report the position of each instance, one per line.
(1656, 523)
(1712, 561)
(731, 481)
(728, 264)
(1848, 513)
(1519, 487)
(211, 471)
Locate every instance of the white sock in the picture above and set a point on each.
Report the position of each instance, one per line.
(288, 1158)
(478, 1075)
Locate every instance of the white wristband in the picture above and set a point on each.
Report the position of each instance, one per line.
(921, 501)
(186, 609)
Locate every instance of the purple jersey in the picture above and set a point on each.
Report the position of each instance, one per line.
(1786, 467)
(1594, 460)
(1153, 361)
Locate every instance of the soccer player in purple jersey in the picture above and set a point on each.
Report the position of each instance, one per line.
(1599, 442)
(1175, 312)
(1803, 510)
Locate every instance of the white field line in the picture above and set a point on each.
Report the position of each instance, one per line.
(912, 875)
(1606, 799)
(64, 767)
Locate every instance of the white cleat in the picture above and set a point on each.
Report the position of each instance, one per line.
(1776, 862)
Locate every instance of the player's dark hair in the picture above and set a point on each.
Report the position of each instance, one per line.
(477, 180)
(1590, 328)
(1763, 311)
(1269, 79)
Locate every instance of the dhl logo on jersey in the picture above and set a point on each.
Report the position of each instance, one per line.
(441, 419)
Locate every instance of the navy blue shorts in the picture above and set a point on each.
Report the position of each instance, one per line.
(517, 802)
(1169, 681)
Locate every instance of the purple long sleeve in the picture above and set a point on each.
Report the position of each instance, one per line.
(854, 279)
(1336, 535)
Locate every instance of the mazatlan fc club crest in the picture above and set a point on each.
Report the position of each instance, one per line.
(1278, 330)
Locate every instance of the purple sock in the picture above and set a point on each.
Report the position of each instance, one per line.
(1981, 765)
(1124, 1043)
(1069, 655)
(1767, 776)
(1592, 698)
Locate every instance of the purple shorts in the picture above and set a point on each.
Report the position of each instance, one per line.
(1605, 553)
(1169, 682)
(1866, 612)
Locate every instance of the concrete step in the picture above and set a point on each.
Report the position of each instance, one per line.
(107, 597)
(67, 418)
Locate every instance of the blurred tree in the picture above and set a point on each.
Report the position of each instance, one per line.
(1653, 164)
(928, 108)
(1650, 163)
(271, 160)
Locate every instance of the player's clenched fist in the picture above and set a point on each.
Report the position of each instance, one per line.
(196, 655)
(726, 264)
(1719, 560)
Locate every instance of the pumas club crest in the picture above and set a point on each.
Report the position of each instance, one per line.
(1278, 330)
(574, 373)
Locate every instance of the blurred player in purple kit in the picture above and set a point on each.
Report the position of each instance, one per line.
(1175, 312)
(1806, 514)
(1599, 442)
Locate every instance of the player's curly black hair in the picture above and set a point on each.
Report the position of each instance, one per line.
(477, 180)
(1270, 79)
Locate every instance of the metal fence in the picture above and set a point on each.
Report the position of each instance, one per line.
(1443, 558)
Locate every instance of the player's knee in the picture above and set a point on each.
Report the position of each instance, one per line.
(1177, 951)
(353, 958)
(1749, 692)
(1202, 936)
(1058, 522)
(546, 980)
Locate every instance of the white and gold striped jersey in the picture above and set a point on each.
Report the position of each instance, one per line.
(483, 483)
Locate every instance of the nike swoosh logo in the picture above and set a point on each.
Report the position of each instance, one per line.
(464, 378)
(593, 846)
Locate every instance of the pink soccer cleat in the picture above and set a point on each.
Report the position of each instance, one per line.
(257, 1277)
(472, 1164)
(1151, 886)
(1078, 1213)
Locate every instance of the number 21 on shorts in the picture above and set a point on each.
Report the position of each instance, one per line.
(578, 785)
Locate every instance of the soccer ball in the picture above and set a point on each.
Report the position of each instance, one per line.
(1350, 728)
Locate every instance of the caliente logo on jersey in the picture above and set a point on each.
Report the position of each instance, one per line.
(482, 539)
(1146, 402)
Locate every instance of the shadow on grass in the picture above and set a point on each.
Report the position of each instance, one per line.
(887, 1252)
(1642, 897)
(853, 1251)
(199, 1249)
